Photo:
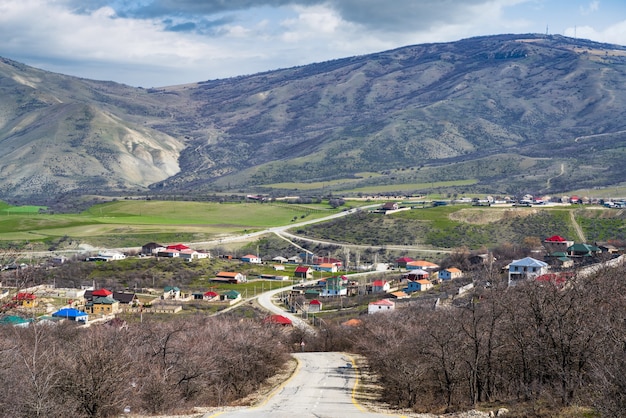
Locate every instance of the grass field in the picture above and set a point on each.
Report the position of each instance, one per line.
(410, 187)
(130, 223)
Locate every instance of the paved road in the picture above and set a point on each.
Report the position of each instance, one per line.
(322, 387)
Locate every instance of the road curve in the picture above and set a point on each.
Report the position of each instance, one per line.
(323, 386)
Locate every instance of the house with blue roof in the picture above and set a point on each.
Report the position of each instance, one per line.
(526, 268)
(71, 314)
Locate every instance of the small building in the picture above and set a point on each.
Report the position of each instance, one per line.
(402, 261)
(417, 274)
(168, 253)
(251, 258)
(389, 206)
(424, 285)
(177, 247)
(211, 296)
(582, 250)
(150, 248)
(380, 286)
(280, 259)
(327, 267)
(383, 305)
(450, 274)
(230, 277)
(108, 256)
(231, 295)
(303, 272)
(333, 286)
(315, 305)
(25, 300)
(171, 292)
(279, 267)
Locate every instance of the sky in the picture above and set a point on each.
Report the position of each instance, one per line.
(156, 43)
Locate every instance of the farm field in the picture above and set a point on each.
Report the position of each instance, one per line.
(132, 223)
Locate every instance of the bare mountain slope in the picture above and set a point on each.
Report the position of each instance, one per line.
(511, 112)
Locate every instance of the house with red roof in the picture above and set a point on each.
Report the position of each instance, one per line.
(315, 305)
(25, 300)
(379, 286)
(401, 262)
(210, 295)
(383, 305)
(303, 272)
(556, 243)
(278, 320)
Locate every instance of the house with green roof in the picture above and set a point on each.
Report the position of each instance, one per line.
(102, 306)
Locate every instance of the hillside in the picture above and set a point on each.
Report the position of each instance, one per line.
(511, 113)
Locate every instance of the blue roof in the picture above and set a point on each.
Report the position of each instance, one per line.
(528, 262)
(69, 313)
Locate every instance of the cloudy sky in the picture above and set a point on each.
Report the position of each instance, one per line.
(152, 43)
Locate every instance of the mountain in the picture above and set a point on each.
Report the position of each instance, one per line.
(507, 113)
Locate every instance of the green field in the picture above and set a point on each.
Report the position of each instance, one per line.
(131, 223)
(410, 187)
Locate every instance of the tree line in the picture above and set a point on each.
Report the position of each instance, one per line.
(545, 345)
(154, 367)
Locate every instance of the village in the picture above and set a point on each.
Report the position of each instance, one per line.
(310, 285)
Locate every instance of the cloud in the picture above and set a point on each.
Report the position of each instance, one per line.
(593, 6)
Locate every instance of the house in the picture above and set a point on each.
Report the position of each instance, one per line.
(16, 321)
(401, 262)
(279, 267)
(450, 273)
(383, 305)
(303, 272)
(25, 300)
(582, 250)
(390, 206)
(108, 256)
(280, 259)
(295, 259)
(229, 277)
(424, 285)
(607, 248)
(71, 314)
(151, 248)
(168, 253)
(126, 299)
(102, 306)
(421, 265)
(327, 267)
(415, 275)
(211, 296)
(190, 255)
(399, 295)
(333, 286)
(526, 268)
(251, 258)
(171, 292)
(231, 296)
(556, 243)
(379, 286)
(315, 305)
(327, 260)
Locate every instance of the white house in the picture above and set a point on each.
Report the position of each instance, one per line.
(526, 268)
(383, 305)
(379, 286)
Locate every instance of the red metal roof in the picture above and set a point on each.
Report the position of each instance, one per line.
(277, 319)
(102, 293)
(302, 269)
(177, 247)
(556, 238)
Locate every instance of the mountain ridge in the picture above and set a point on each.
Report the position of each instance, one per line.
(492, 108)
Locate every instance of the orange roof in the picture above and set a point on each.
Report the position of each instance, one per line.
(422, 263)
(326, 265)
(227, 274)
(423, 281)
(454, 270)
(352, 322)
